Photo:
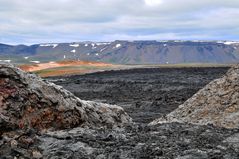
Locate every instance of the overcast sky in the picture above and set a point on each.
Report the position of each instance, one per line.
(43, 21)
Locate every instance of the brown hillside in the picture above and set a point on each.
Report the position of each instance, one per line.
(42, 66)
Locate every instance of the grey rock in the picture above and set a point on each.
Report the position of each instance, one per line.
(233, 141)
(36, 154)
(217, 104)
(133, 142)
(124, 141)
(27, 101)
(31, 107)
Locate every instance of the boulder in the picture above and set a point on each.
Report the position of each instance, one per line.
(29, 102)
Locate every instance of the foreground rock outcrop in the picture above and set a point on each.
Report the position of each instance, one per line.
(217, 104)
(91, 140)
(30, 107)
(164, 141)
(27, 101)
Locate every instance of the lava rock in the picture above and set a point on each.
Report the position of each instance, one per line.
(145, 93)
(27, 101)
(129, 141)
(217, 104)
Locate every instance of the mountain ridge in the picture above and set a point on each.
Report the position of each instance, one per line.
(125, 52)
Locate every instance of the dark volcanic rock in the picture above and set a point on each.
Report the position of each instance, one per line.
(83, 141)
(182, 141)
(172, 140)
(145, 93)
(217, 104)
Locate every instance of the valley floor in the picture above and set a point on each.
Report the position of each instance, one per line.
(145, 93)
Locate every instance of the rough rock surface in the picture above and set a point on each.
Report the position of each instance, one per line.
(139, 141)
(164, 141)
(145, 93)
(30, 106)
(174, 140)
(26, 101)
(217, 104)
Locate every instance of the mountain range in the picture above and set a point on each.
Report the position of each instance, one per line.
(125, 52)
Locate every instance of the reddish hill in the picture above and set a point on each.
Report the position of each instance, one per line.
(41, 66)
(65, 67)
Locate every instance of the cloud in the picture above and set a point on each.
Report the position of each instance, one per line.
(36, 21)
(153, 3)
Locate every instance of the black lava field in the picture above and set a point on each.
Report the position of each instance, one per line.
(144, 93)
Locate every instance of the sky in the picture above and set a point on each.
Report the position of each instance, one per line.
(53, 21)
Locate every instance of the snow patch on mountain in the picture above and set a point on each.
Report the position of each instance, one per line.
(103, 49)
(74, 45)
(49, 45)
(73, 51)
(117, 46)
(8, 61)
(231, 42)
(228, 42)
(98, 44)
(94, 46)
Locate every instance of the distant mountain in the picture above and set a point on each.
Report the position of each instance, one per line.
(125, 52)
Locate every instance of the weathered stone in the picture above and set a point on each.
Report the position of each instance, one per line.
(233, 141)
(36, 154)
(13, 143)
(170, 140)
(27, 101)
(217, 104)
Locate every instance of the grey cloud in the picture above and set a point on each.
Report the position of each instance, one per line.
(41, 20)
